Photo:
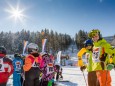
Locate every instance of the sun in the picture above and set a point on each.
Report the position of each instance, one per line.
(16, 13)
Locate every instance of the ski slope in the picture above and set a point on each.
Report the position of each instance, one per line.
(73, 76)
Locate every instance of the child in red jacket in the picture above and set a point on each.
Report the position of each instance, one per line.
(6, 67)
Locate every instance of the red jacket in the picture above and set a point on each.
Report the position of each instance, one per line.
(6, 68)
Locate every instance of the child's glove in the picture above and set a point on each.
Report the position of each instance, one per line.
(110, 67)
(82, 68)
(41, 74)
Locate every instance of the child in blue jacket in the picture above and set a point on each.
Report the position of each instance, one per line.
(17, 63)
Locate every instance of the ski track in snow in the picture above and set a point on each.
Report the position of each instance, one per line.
(73, 76)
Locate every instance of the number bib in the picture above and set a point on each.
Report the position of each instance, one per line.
(35, 64)
(50, 68)
(96, 54)
(1, 65)
(18, 65)
(87, 56)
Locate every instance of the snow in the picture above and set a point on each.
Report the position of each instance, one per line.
(73, 76)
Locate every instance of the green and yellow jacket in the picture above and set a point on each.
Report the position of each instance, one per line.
(101, 52)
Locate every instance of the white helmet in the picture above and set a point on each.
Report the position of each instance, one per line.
(32, 47)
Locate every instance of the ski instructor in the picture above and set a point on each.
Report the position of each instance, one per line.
(101, 52)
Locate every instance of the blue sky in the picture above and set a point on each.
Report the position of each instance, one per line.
(63, 16)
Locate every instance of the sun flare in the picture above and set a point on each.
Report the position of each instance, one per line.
(16, 13)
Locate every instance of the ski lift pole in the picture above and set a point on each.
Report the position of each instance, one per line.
(84, 78)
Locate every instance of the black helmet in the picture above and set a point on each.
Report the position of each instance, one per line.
(17, 55)
(2, 50)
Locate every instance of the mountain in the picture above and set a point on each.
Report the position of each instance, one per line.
(109, 38)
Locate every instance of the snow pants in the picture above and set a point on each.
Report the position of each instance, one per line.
(16, 79)
(32, 77)
(44, 83)
(57, 76)
(92, 79)
(104, 77)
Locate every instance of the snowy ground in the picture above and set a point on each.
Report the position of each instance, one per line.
(74, 77)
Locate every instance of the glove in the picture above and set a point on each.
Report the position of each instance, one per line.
(41, 74)
(110, 67)
(103, 57)
(82, 68)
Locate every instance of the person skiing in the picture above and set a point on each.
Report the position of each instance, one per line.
(31, 66)
(6, 67)
(101, 51)
(17, 63)
(87, 50)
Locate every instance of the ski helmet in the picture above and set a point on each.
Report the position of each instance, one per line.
(32, 47)
(93, 32)
(2, 50)
(88, 42)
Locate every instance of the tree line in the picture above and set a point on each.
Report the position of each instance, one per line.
(14, 42)
(80, 38)
(56, 41)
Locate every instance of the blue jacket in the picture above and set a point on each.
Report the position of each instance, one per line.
(17, 63)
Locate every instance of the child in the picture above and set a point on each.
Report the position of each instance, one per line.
(92, 78)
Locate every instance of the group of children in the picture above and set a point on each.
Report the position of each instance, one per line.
(100, 59)
(36, 69)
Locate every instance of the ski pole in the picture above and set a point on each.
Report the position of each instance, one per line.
(84, 78)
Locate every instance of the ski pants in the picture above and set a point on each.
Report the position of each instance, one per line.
(57, 76)
(2, 84)
(16, 79)
(104, 77)
(32, 77)
(92, 79)
(44, 83)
